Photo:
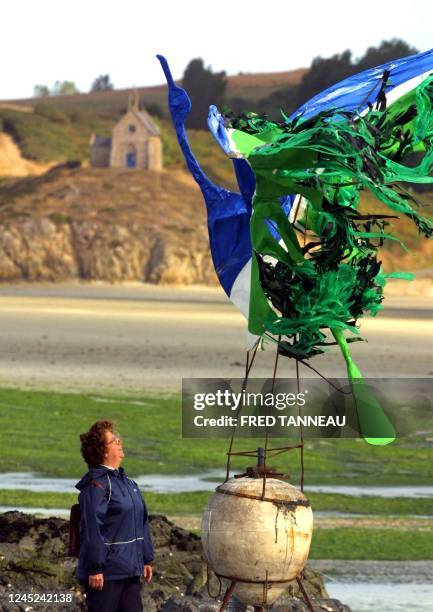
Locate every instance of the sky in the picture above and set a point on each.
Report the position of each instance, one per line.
(43, 41)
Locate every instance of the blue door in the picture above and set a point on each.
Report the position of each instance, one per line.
(131, 160)
(131, 156)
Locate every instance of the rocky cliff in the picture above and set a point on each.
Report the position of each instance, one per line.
(111, 225)
(125, 225)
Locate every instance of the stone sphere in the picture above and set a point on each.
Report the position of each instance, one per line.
(264, 543)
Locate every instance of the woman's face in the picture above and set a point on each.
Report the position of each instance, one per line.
(113, 450)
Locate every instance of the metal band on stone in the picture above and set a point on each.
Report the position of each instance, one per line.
(282, 502)
(236, 579)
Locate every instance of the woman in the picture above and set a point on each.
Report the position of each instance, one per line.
(115, 542)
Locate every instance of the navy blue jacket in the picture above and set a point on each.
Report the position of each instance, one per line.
(114, 529)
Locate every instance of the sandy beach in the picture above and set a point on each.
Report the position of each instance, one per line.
(131, 337)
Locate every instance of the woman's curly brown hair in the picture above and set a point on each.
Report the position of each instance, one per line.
(93, 442)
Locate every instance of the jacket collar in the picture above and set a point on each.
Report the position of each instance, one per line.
(99, 472)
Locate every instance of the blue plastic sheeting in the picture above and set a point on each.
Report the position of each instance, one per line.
(217, 127)
(358, 90)
(228, 212)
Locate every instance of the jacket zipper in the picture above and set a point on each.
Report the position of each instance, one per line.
(135, 524)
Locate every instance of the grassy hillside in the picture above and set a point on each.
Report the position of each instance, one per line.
(48, 134)
(52, 135)
(252, 87)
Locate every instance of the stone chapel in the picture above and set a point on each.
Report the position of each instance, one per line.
(135, 142)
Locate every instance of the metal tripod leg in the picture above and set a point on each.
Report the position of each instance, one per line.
(227, 596)
(304, 593)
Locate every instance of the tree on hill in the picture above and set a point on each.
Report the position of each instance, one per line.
(204, 88)
(324, 72)
(64, 88)
(387, 51)
(102, 83)
(40, 91)
(285, 100)
(60, 88)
